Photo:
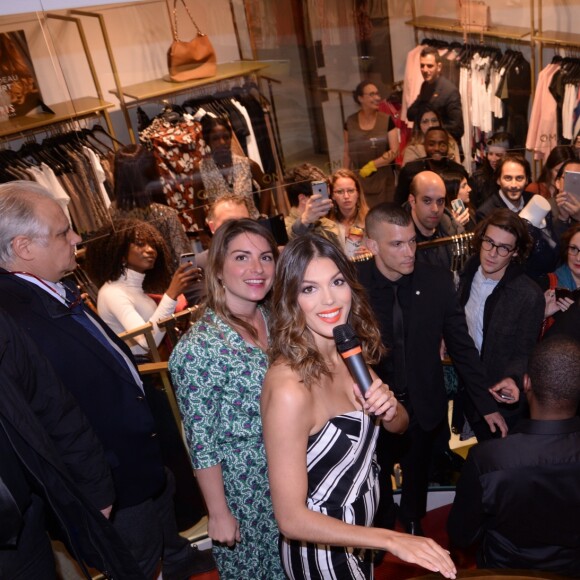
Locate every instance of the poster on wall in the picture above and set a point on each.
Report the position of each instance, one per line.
(19, 90)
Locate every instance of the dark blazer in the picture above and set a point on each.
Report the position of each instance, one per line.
(435, 314)
(442, 96)
(512, 319)
(496, 202)
(519, 497)
(52, 440)
(108, 395)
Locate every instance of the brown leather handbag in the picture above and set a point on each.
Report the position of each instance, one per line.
(190, 60)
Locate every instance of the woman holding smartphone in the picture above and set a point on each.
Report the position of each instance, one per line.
(129, 263)
(562, 286)
(458, 200)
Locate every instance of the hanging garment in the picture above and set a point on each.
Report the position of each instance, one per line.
(178, 150)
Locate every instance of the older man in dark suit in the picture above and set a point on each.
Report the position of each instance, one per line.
(50, 461)
(37, 249)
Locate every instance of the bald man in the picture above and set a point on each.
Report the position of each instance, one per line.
(431, 218)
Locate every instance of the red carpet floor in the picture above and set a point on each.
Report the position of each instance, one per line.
(392, 568)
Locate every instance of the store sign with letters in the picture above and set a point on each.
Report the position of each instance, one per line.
(19, 90)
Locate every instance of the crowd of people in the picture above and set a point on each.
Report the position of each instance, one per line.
(292, 453)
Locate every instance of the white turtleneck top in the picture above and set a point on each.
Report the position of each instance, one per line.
(123, 305)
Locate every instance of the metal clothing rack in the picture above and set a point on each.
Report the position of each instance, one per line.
(460, 250)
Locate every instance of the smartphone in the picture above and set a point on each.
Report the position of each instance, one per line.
(565, 293)
(188, 259)
(320, 187)
(572, 183)
(458, 205)
(506, 397)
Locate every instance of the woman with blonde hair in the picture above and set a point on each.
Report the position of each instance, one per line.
(349, 211)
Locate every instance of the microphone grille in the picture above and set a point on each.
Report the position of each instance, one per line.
(345, 338)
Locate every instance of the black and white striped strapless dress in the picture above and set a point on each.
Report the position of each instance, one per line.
(342, 483)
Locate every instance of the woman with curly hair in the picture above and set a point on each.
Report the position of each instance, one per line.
(127, 262)
(217, 369)
(320, 432)
(137, 185)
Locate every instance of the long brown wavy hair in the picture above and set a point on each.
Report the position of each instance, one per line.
(290, 339)
(216, 295)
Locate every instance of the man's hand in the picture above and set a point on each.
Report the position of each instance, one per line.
(316, 207)
(506, 391)
(496, 421)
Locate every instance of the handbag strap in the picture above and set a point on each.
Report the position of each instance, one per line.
(174, 21)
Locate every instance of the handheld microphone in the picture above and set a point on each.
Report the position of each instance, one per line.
(349, 348)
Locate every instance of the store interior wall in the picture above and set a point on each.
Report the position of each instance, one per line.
(140, 34)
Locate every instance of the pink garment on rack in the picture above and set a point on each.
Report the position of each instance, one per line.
(543, 126)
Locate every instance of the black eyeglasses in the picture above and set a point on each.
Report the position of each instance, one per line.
(573, 250)
(502, 251)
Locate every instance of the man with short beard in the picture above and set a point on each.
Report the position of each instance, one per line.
(512, 175)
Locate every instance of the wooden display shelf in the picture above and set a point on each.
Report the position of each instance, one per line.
(554, 37)
(453, 25)
(436, 23)
(160, 87)
(63, 112)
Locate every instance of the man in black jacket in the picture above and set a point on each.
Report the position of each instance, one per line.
(50, 459)
(504, 308)
(435, 160)
(512, 175)
(37, 249)
(518, 497)
(439, 93)
(415, 306)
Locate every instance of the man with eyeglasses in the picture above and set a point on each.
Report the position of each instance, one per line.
(504, 309)
(431, 218)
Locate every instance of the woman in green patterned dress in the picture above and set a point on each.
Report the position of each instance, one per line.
(217, 369)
